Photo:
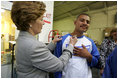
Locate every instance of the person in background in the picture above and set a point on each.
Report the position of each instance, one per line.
(107, 47)
(110, 70)
(33, 58)
(88, 55)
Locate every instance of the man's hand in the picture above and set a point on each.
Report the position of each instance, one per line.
(101, 71)
(82, 52)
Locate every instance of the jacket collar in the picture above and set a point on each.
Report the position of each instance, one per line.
(26, 34)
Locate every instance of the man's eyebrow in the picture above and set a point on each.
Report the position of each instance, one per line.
(84, 19)
(88, 20)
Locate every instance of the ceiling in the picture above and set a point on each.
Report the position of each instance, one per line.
(64, 9)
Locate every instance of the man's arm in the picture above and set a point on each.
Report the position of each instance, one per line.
(95, 55)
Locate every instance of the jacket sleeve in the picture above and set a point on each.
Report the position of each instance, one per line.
(51, 46)
(42, 58)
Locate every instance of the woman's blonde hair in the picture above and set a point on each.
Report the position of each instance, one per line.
(23, 12)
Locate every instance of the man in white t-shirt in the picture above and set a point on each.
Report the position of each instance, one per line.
(79, 65)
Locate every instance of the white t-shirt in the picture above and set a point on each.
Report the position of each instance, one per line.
(77, 67)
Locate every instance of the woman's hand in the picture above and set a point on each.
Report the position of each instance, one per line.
(73, 40)
(56, 39)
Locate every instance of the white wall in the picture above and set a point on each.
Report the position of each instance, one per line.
(6, 5)
(47, 27)
(100, 21)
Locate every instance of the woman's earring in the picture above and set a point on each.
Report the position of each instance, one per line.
(30, 25)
